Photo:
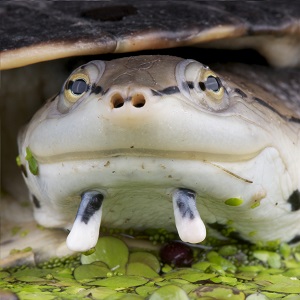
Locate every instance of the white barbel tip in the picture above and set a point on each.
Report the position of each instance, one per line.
(189, 224)
(85, 231)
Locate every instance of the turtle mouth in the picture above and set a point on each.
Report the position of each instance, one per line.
(147, 153)
(142, 175)
(85, 230)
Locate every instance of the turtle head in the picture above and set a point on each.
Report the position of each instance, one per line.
(151, 104)
(134, 133)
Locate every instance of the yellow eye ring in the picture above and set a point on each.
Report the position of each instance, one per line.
(211, 84)
(76, 87)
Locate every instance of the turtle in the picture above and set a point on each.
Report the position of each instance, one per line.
(149, 136)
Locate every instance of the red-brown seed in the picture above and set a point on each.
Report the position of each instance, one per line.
(176, 254)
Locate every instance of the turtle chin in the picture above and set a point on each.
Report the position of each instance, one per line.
(153, 192)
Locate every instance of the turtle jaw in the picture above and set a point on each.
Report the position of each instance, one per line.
(138, 193)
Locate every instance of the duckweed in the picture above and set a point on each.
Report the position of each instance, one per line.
(32, 162)
(111, 251)
(171, 292)
(140, 269)
(234, 201)
(145, 258)
(220, 271)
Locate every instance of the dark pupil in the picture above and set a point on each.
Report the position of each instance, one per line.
(212, 83)
(78, 86)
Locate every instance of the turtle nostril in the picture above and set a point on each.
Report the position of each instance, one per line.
(138, 100)
(117, 101)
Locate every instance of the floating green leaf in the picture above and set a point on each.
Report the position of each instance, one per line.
(291, 297)
(278, 283)
(140, 269)
(272, 258)
(201, 265)
(18, 161)
(255, 204)
(110, 250)
(228, 250)
(145, 290)
(31, 275)
(124, 296)
(234, 201)
(191, 275)
(292, 264)
(297, 256)
(30, 296)
(119, 282)
(225, 264)
(292, 273)
(169, 292)
(62, 273)
(86, 273)
(285, 250)
(4, 274)
(255, 269)
(245, 275)
(89, 252)
(32, 162)
(218, 292)
(95, 293)
(145, 258)
(225, 280)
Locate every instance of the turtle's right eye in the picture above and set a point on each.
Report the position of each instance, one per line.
(76, 87)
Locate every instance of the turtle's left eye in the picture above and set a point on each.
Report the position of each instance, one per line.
(201, 85)
(212, 85)
(76, 87)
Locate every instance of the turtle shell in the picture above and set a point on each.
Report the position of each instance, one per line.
(35, 31)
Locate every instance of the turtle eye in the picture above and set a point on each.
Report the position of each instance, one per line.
(212, 85)
(76, 87)
(201, 86)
